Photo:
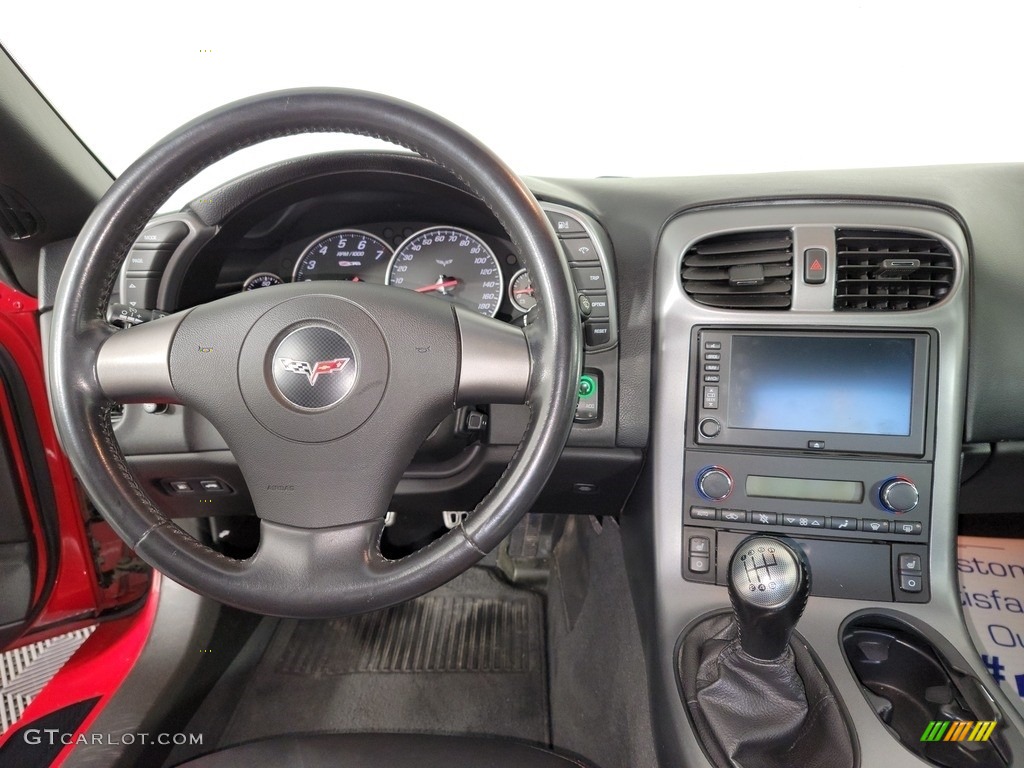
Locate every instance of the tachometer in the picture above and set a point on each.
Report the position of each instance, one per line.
(348, 254)
(451, 263)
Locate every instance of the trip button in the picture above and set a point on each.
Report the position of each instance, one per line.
(588, 278)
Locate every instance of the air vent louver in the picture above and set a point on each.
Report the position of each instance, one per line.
(748, 270)
(17, 219)
(889, 270)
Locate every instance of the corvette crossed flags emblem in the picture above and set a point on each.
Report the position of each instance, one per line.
(313, 371)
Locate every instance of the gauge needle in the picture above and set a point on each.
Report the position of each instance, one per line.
(523, 290)
(438, 286)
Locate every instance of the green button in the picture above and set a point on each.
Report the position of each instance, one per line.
(587, 386)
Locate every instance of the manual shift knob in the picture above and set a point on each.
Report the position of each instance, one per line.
(768, 584)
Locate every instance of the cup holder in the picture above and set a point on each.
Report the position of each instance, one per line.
(910, 684)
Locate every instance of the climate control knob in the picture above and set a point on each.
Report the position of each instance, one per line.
(898, 495)
(714, 483)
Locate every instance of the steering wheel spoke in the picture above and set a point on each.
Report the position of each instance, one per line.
(133, 364)
(494, 361)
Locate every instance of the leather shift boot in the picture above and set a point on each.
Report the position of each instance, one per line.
(751, 713)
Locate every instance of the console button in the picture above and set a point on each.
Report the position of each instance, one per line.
(712, 345)
(703, 513)
(804, 521)
(843, 523)
(911, 564)
(899, 495)
(763, 518)
(712, 367)
(180, 486)
(908, 528)
(911, 583)
(875, 526)
(588, 278)
(714, 483)
(700, 545)
(816, 445)
(712, 356)
(712, 378)
(700, 563)
(815, 261)
(711, 398)
(733, 516)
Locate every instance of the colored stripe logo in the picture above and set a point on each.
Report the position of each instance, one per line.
(958, 730)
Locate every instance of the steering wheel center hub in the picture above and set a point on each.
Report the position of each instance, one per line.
(313, 369)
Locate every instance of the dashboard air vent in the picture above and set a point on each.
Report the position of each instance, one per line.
(17, 219)
(745, 270)
(890, 270)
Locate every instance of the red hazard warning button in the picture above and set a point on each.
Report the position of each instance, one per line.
(815, 262)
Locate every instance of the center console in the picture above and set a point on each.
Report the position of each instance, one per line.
(809, 386)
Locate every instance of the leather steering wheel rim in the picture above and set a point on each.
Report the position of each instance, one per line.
(313, 568)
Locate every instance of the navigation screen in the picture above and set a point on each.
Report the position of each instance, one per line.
(851, 385)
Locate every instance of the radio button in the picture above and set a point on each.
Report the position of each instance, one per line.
(733, 516)
(875, 526)
(709, 428)
(710, 398)
(763, 518)
(712, 367)
(712, 378)
(703, 513)
(712, 357)
(843, 523)
(816, 445)
(712, 345)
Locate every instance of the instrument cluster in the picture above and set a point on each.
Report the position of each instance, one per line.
(449, 262)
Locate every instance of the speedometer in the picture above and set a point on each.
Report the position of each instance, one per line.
(451, 263)
(348, 254)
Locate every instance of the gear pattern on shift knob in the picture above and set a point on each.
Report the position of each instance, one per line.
(763, 573)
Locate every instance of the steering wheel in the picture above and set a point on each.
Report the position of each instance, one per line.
(324, 391)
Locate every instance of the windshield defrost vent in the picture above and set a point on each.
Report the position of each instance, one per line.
(889, 270)
(744, 270)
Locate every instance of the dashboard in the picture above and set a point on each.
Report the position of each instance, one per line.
(831, 358)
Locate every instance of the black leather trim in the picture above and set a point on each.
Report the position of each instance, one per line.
(390, 749)
(326, 587)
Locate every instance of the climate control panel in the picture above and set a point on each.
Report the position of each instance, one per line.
(866, 499)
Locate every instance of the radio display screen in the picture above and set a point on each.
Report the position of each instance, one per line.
(856, 385)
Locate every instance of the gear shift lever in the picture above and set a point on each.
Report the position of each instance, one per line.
(768, 584)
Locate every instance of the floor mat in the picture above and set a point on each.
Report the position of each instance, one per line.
(467, 658)
(991, 575)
